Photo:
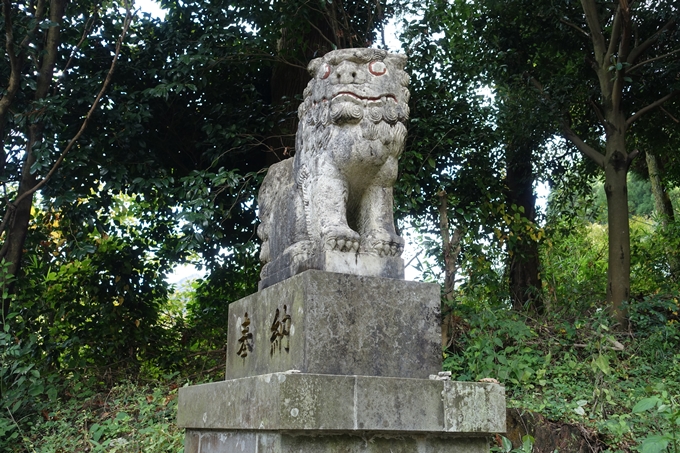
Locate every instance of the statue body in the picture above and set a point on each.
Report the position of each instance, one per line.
(332, 202)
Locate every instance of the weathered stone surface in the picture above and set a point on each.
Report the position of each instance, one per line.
(336, 193)
(338, 262)
(324, 403)
(330, 323)
(469, 406)
(258, 442)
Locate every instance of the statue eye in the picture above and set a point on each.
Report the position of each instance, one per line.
(324, 71)
(377, 68)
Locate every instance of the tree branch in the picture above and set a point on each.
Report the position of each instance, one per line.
(14, 63)
(675, 120)
(583, 147)
(38, 17)
(638, 51)
(575, 27)
(88, 26)
(651, 106)
(633, 68)
(616, 32)
(592, 19)
(600, 117)
(12, 205)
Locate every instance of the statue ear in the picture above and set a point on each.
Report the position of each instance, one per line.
(313, 66)
(397, 60)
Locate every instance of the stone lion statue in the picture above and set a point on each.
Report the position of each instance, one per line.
(332, 202)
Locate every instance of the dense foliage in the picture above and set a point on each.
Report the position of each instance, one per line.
(130, 145)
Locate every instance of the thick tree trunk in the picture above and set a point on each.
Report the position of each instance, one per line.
(524, 263)
(618, 272)
(17, 227)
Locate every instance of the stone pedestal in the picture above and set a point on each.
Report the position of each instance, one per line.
(326, 362)
(330, 323)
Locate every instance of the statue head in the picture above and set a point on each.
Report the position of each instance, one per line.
(350, 85)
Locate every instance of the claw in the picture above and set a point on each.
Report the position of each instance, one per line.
(355, 246)
(331, 244)
(341, 244)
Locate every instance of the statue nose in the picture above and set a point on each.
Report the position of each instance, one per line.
(347, 74)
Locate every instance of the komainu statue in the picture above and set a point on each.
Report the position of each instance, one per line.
(330, 206)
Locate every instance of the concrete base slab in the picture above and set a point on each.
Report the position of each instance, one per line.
(325, 403)
(270, 442)
(329, 323)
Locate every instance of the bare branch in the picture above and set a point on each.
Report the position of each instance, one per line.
(675, 120)
(638, 51)
(575, 27)
(651, 106)
(583, 147)
(71, 143)
(633, 68)
(88, 27)
(322, 35)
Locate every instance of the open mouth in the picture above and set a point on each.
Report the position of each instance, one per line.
(351, 95)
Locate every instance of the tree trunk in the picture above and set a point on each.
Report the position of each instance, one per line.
(450, 247)
(451, 250)
(616, 188)
(664, 207)
(17, 224)
(288, 81)
(524, 264)
(662, 202)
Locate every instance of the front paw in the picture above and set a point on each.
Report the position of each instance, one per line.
(382, 244)
(341, 240)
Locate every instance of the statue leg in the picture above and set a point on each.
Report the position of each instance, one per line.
(376, 216)
(329, 213)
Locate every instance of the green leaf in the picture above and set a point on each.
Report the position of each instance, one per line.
(16, 406)
(601, 362)
(507, 445)
(52, 393)
(654, 444)
(645, 404)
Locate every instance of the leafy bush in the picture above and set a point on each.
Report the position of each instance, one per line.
(127, 418)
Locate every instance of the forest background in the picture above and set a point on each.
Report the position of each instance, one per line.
(131, 144)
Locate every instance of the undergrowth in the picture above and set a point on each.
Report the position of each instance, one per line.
(128, 418)
(625, 386)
